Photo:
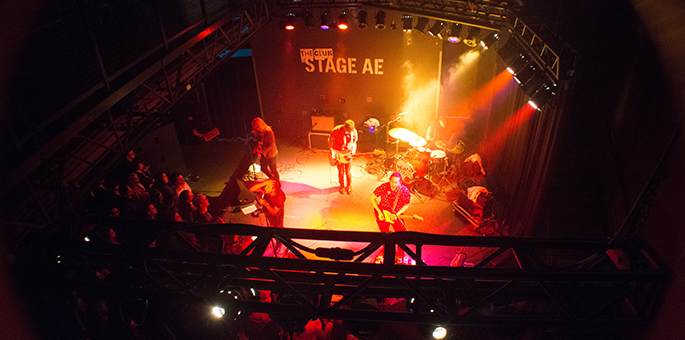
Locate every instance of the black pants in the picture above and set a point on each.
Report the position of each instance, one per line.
(269, 167)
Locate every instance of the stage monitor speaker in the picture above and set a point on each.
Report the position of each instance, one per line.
(322, 123)
(318, 141)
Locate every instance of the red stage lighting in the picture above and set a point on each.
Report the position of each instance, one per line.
(343, 20)
(290, 21)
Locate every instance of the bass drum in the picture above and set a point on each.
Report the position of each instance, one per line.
(410, 170)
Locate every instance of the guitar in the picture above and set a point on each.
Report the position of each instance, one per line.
(391, 218)
(345, 156)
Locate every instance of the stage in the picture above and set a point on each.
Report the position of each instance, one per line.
(312, 197)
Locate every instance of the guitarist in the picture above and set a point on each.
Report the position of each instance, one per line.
(266, 148)
(344, 138)
(390, 200)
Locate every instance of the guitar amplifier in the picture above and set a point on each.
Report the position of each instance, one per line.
(318, 140)
(322, 123)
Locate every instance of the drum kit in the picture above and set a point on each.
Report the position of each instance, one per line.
(419, 162)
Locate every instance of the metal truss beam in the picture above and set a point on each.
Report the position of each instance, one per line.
(484, 14)
(518, 285)
(90, 147)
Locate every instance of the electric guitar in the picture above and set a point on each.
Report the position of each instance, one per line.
(391, 218)
(345, 156)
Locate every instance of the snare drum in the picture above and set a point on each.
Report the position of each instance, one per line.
(437, 155)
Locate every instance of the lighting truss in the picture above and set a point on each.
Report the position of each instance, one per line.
(597, 290)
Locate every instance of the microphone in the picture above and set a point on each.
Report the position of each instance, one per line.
(403, 113)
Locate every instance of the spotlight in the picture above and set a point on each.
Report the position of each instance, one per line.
(489, 40)
(436, 29)
(380, 20)
(308, 19)
(437, 332)
(361, 19)
(520, 61)
(421, 24)
(406, 22)
(325, 20)
(529, 87)
(290, 21)
(343, 19)
(524, 75)
(542, 95)
(455, 31)
(223, 304)
(471, 39)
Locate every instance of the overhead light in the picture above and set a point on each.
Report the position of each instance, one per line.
(529, 87)
(308, 19)
(436, 332)
(421, 23)
(455, 31)
(489, 40)
(436, 29)
(542, 95)
(343, 19)
(380, 20)
(361, 19)
(406, 22)
(523, 76)
(472, 37)
(518, 63)
(325, 20)
(290, 21)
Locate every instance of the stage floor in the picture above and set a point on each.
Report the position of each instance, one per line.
(312, 197)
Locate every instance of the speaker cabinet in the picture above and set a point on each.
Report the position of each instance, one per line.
(318, 140)
(322, 124)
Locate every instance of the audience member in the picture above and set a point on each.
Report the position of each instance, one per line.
(185, 206)
(178, 183)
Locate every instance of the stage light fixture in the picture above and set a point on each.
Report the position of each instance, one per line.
(308, 19)
(455, 31)
(343, 20)
(542, 95)
(530, 87)
(325, 20)
(519, 62)
(489, 40)
(361, 19)
(222, 304)
(522, 76)
(437, 332)
(421, 23)
(290, 21)
(436, 29)
(406, 22)
(380, 20)
(472, 38)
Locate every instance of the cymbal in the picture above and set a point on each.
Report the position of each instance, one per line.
(441, 144)
(403, 135)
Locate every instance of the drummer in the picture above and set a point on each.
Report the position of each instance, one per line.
(439, 136)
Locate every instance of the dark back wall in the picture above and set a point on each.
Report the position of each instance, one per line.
(289, 88)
